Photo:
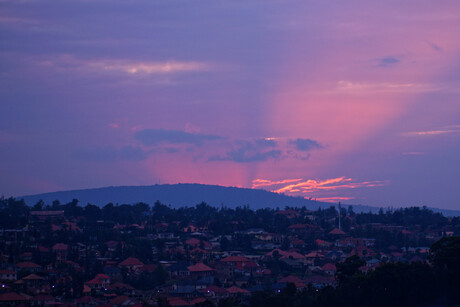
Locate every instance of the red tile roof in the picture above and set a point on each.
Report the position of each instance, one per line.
(11, 297)
(293, 255)
(290, 278)
(60, 246)
(7, 272)
(336, 231)
(33, 277)
(130, 262)
(236, 290)
(199, 267)
(175, 301)
(27, 265)
(235, 259)
(86, 299)
(314, 254)
(119, 300)
(47, 213)
(192, 241)
(197, 301)
(329, 267)
(43, 297)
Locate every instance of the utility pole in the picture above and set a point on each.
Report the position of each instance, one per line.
(340, 209)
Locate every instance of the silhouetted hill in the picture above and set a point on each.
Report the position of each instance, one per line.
(176, 195)
(187, 194)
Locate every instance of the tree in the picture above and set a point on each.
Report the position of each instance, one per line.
(445, 257)
(39, 205)
(349, 267)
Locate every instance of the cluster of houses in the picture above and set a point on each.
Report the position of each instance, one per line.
(184, 268)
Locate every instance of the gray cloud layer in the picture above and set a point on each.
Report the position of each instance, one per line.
(159, 136)
(251, 151)
(305, 144)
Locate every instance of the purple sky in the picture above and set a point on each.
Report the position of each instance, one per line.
(356, 101)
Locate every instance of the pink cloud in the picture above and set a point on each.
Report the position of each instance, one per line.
(319, 188)
(333, 199)
(264, 182)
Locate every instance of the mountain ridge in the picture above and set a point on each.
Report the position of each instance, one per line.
(190, 194)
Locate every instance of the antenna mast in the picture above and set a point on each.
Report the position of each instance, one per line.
(340, 209)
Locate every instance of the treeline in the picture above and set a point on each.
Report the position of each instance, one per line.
(392, 284)
(404, 217)
(14, 213)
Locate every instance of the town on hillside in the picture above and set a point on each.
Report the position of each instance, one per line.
(142, 255)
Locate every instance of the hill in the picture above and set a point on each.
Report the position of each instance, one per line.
(190, 194)
(176, 195)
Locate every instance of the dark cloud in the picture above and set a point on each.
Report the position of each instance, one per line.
(305, 144)
(161, 136)
(243, 156)
(387, 61)
(265, 143)
(251, 151)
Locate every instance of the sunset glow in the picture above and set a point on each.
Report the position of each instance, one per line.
(355, 102)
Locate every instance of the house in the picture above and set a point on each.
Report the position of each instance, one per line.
(131, 263)
(313, 256)
(237, 292)
(121, 301)
(28, 266)
(329, 269)
(113, 272)
(298, 243)
(177, 302)
(205, 282)
(319, 281)
(337, 232)
(200, 269)
(34, 283)
(215, 292)
(7, 275)
(61, 251)
(300, 284)
(12, 298)
(186, 289)
(99, 283)
(179, 269)
(237, 262)
(322, 244)
(42, 216)
(302, 228)
(292, 263)
(43, 300)
(289, 213)
(121, 288)
(193, 243)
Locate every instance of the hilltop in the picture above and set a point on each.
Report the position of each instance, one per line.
(190, 194)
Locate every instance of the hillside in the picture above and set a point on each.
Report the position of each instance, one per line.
(188, 194)
(176, 195)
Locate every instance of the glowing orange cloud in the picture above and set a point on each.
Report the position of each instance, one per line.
(318, 186)
(333, 199)
(433, 132)
(127, 66)
(312, 185)
(264, 183)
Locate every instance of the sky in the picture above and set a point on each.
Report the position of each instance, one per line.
(355, 101)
